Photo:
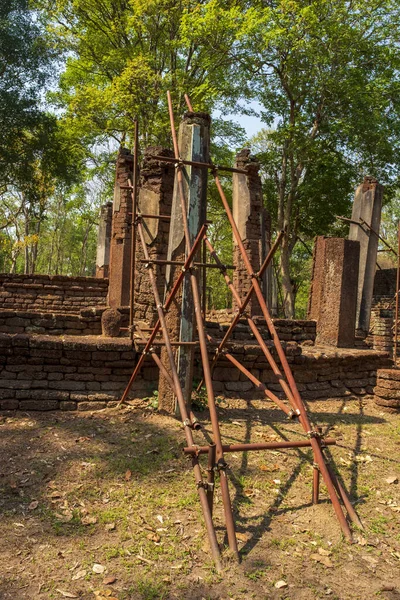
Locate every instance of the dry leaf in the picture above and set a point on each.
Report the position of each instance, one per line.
(109, 580)
(89, 520)
(128, 475)
(160, 518)
(66, 594)
(55, 495)
(392, 479)
(79, 575)
(33, 505)
(97, 568)
(280, 584)
(324, 560)
(110, 527)
(324, 552)
(153, 537)
(243, 537)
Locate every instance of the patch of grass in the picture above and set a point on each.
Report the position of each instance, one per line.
(150, 590)
(283, 544)
(378, 525)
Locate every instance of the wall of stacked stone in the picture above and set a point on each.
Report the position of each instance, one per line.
(387, 390)
(327, 374)
(300, 331)
(51, 293)
(155, 197)
(87, 322)
(49, 373)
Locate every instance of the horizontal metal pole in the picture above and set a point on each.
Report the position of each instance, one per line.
(179, 263)
(266, 446)
(161, 343)
(201, 165)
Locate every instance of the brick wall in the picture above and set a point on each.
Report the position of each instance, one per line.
(300, 331)
(49, 373)
(88, 322)
(51, 293)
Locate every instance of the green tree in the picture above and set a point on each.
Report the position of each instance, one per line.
(122, 57)
(326, 73)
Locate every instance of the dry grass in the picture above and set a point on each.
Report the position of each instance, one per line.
(113, 489)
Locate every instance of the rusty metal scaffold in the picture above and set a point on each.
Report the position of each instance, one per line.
(293, 408)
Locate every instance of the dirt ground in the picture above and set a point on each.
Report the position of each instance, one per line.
(104, 505)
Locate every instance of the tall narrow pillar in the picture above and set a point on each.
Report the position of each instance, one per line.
(103, 240)
(333, 297)
(367, 207)
(155, 198)
(248, 215)
(120, 247)
(194, 144)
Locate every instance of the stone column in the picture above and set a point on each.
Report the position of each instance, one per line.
(103, 240)
(333, 296)
(155, 198)
(120, 247)
(247, 212)
(194, 143)
(367, 207)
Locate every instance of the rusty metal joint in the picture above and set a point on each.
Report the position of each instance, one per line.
(187, 423)
(222, 465)
(313, 434)
(293, 414)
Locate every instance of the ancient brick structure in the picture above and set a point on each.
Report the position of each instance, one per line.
(381, 329)
(103, 240)
(155, 198)
(248, 214)
(194, 144)
(367, 207)
(88, 373)
(333, 296)
(387, 390)
(51, 293)
(120, 246)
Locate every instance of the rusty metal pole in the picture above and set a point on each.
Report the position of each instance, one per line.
(303, 417)
(315, 487)
(211, 476)
(133, 229)
(396, 318)
(182, 406)
(221, 464)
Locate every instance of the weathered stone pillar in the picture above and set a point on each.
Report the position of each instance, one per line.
(120, 247)
(194, 143)
(155, 198)
(103, 240)
(247, 212)
(367, 207)
(333, 295)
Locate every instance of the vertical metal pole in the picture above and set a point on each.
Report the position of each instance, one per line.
(204, 298)
(315, 488)
(211, 476)
(133, 229)
(396, 318)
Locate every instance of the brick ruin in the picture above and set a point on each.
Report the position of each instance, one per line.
(54, 354)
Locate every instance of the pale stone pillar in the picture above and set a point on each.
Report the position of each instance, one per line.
(367, 207)
(247, 212)
(194, 143)
(103, 240)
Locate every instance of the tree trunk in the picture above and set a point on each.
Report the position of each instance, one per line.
(287, 288)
